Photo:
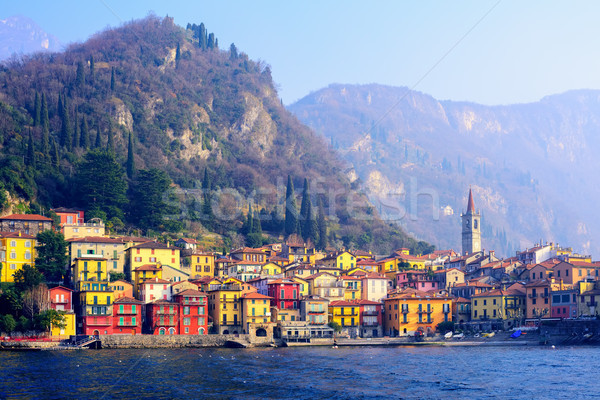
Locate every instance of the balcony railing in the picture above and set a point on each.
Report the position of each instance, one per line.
(126, 324)
(405, 311)
(166, 323)
(102, 322)
(532, 295)
(370, 312)
(425, 311)
(127, 312)
(339, 314)
(166, 312)
(592, 303)
(316, 311)
(544, 295)
(375, 323)
(427, 321)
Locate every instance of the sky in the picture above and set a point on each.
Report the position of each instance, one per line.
(489, 52)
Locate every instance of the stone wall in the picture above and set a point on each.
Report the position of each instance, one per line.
(172, 341)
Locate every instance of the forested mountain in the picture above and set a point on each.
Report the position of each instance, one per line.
(165, 109)
(21, 35)
(532, 167)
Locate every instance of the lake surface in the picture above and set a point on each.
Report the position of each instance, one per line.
(305, 373)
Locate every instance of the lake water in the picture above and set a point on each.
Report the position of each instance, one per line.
(305, 373)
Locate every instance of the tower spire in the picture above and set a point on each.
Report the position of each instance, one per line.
(470, 204)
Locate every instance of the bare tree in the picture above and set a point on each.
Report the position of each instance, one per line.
(35, 300)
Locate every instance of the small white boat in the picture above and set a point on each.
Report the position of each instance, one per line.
(448, 335)
(459, 335)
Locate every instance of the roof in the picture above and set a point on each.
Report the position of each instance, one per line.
(134, 239)
(147, 267)
(462, 300)
(127, 299)
(314, 297)
(120, 280)
(166, 302)
(247, 250)
(364, 302)
(365, 261)
(153, 245)
(318, 274)
(66, 210)
(470, 204)
(342, 303)
(188, 240)
(154, 280)
(281, 281)
(255, 295)
(96, 239)
(473, 284)
(61, 287)
(26, 217)
(16, 235)
(410, 293)
(191, 292)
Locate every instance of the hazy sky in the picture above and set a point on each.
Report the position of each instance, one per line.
(491, 52)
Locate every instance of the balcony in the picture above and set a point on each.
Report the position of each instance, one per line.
(373, 312)
(592, 303)
(166, 312)
(544, 295)
(165, 323)
(405, 311)
(370, 324)
(89, 321)
(425, 311)
(316, 311)
(339, 314)
(428, 321)
(532, 295)
(128, 324)
(127, 312)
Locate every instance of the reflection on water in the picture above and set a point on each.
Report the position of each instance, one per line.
(303, 373)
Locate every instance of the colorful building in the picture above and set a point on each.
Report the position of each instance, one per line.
(374, 286)
(371, 320)
(256, 308)
(61, 299)
(193, 317)
(346, 314)
(113, 249)
(201, 264)
(17, 249)
(285, 293)
(224, 307)
(353, 285)
(314, 309)
(413, 310)
(162, 317)
(150, 253)
(28, 224)
(503, 308)
(121, 288)
(89, 267)
(326, 285)
(127, 316)
(95, 308)
(151, 290)
(343, 260)
(144, 273)
(564, 303)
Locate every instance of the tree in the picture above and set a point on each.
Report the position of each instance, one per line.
(45, 119)
(35, 300)
(115, 276)
(8, 323)
(77, 134)
(30, 159)
(148, 206)
(291, 211)
(80, 75)
(55, 154)
(112, 79)
(211, 41)
(207, 211)
(177, 55)
(66, 132)
(321, 227)
(248, 226)
(47, 319)
(310, 230)
(233, 54)
(130, 159)
(27, 277)
(37, 110)
(202, 39)
(256, 225)
(99, 183)
(92, 70)
(304, 205)
(337, 328)
(51, 259)
(98, 141)
(84, 141)
(110, 143)
(446, 326)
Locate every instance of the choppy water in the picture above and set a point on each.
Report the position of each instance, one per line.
(305, 373)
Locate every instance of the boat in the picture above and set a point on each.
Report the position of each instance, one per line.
(448, 335)
(489, 335)
(459, 335)
(516, 334)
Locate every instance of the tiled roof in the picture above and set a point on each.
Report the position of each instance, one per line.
(342, 303)
(26, 217)
(127, 300)
(147, 267)
(95, 239)
(154, 280)
(16, 235)
(191, 292)
(153, 245)
(255, 295)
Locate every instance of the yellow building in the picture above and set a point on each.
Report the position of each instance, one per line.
(95, 307)
(90, 267)
(412, 262)
(411, 310)
(18, 249)
(271, 269)
(353, 285)
(151, 253)
(304, 285)
(224, 307)
(201, 264)
(325, 285)
(388, 267)
(145, 272)
(113, 249)
(507, 307)
(343, 260)
(68, 330)
(346, 314)
(255, 309)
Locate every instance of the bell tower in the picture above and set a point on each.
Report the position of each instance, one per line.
(471, 228)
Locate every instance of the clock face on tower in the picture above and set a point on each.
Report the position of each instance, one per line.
(467, 223)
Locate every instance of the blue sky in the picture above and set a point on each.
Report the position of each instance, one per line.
(488, 52)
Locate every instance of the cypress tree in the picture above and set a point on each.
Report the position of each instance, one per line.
(202, 37)
(46, 144)
(59, 107)
(37, 110)
(310, 229)
(92, 70)
(130, 159)
(291, 210)
(304, 209)
(66, 133)
(248, 227)
(80, 75)
(84, 141)
(207, 210)
(30, 159)
(112, 79)
(110, 143)
(177, 55)
(321, 227)
(233, 54)
(98, 142)
(216, 43)
(45, 118)
(55, 153)
(77, 133)
(211, 41)
(256, 225)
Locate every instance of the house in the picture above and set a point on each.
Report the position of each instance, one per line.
(314, 309)
(200, 263)
(369, 265)
(412, 311)
(575, 271)
(245, 270)
(343, 260)
(564, 303)
(420, 280)
(588, 304)
(153, 289)
(69, 216)
(374, 286)
(271, 269)
(284, 294)
(222, 265)
(143, 273)
(17, 249)
(538, 299)
(249, 254)
(186, 244)
(303, 285)
(89, 267)
(95, 306)
(469, 288)
(461, 310)
(370, 318)
(178, 287)
(325, 285)
(353, 285)
(121, 288)
(346, 315)
(536, 254)
(127, 316)
(162, 317)
(256, 309)
(28, 224)
(224, 307)
(502, 308)
(61, 299)
(113, 249)
(150, 253)
(447, 278)
(173, 274)
(193, 316)
(295, 251)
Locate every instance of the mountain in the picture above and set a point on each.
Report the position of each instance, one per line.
(206, 116)
(21, 35)
(532, 167)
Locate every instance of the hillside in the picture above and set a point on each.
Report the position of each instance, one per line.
(531, 166)
(204, 115)
(21, 35)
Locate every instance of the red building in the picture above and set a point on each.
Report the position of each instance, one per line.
(127, 316)
(61, 298)
(285, 293)
(69, 216)
(162, 317)
(193, 318)
(370, 318)
(419, 280)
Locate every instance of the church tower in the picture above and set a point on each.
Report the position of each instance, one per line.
(471, 228)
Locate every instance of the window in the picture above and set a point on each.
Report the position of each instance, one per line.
(186, 310)
(13, 255)
(121, 322)
(27, 255)
(282, 304)
(152, 259)
(27, 243)
(121, 309)
(13, 243)
(133, 308)
(137, 259)
(186, 321)
(494, 302)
